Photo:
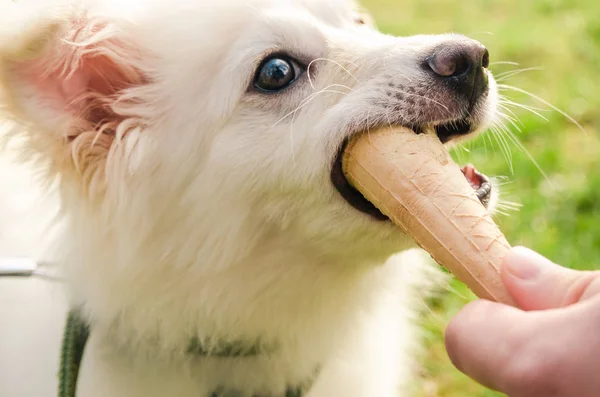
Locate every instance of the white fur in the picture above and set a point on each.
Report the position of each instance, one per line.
(200, 208)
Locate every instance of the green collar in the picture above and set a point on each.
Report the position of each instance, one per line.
(76, 335)
(73, 343)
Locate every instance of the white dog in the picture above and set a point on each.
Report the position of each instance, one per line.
(206, 234)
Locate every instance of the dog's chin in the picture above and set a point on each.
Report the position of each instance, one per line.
(453, 131)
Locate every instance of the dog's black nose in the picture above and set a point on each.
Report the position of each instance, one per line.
(456, 59)
(461, 63)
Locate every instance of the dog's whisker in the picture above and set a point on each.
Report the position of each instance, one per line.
(508, 114)
(541, 100)
(509, 102)
(503, 181)
(511, 73)
(509, 205)
(485, 147)
(367, 120)
(305, 102)
(504, 63)
(508, 151)
(334, 62)
(511, 114)
(310, 97)
(501, 209)
(498, 210)
(490, 115)
(403, 76)
(527, 108)
(489, 139)
(397, 91)
(496, 126)
(523, 149)
(504, 148)
(510, 120)
(387, 116)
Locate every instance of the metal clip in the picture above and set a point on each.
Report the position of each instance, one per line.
(23, 267)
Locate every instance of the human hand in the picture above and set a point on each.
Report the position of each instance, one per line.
(550, 347)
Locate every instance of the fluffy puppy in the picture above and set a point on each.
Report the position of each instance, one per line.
(193, 145)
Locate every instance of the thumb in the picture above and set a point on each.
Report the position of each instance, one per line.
(536, 283)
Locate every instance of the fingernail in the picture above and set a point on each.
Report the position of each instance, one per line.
(524, 264)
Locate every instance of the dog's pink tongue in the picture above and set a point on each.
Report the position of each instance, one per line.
(471, 174)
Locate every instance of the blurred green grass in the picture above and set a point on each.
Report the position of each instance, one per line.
(560, 205)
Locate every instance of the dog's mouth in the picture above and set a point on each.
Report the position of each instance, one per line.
(452, 129)
(479, 182)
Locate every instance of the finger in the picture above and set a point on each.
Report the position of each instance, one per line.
(536, 283)
(524, 354)
(484, 337)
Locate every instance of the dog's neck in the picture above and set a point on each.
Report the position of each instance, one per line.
(222, 284)
(266, 304)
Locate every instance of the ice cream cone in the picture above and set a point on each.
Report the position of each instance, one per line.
(412, 179)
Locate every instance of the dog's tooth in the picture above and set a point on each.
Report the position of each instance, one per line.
(412, 179)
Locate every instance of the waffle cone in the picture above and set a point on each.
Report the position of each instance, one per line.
(412, 179)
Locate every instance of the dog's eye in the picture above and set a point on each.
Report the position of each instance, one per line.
(276, 73)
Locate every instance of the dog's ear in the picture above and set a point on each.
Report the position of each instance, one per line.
(73, 81)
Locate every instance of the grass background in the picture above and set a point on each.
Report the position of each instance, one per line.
(560, 205)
